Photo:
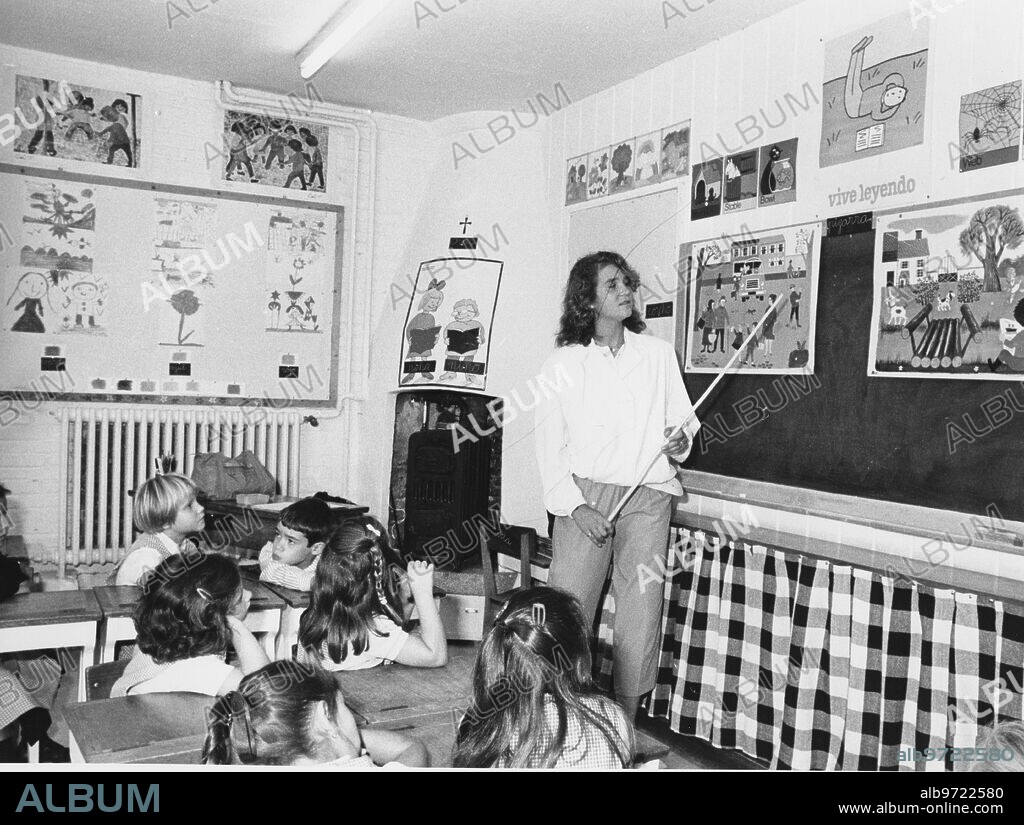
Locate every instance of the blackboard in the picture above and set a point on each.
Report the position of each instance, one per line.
(842, 432)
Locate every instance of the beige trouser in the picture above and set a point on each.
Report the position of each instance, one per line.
(581, 567)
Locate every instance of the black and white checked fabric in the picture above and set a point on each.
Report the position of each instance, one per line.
(809, 665)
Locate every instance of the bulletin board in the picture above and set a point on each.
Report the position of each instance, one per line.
(143, 292)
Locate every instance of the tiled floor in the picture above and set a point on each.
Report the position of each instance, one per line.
(689, 752)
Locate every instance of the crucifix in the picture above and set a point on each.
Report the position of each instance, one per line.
(465, 224)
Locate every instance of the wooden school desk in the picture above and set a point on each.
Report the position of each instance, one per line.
(164, 728)
(68, 618)
(118, 606)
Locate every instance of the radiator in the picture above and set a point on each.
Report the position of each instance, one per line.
(112, 451)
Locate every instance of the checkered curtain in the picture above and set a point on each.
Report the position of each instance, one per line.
(809, 665)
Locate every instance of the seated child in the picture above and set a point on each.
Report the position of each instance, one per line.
(290, 559)
(354, 619)
(292, 714)
(166, 510)
(191, 609)
(537, 655)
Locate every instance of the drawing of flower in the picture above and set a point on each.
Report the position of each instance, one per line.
(185, 303)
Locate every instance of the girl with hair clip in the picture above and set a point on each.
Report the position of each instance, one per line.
(534, 703)
(354, 619)
(290, 714)
(192, 607)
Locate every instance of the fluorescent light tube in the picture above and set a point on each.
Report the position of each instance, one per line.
(352, 19)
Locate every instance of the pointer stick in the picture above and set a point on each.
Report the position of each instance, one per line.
(622, 502)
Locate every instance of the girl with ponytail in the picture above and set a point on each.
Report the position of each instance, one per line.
(354, 619)
(292, 714)
(534, 703)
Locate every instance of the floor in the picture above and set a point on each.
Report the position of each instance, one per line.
(688, 752)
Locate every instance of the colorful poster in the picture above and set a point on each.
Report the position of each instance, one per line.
(260, 148)
(777, 181)
(597, 174)
(73, 122)
(675, 150)
(646, 167)
(623, 155)
(990, 127)
(949, 292)
(706, 190)
(732, 284)
(447, 333)
(296, 270)
(55, 288)
(875, 91)
(181, 267)
(741, 182)
(576, 180)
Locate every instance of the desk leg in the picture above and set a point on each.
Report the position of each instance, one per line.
(88, 658)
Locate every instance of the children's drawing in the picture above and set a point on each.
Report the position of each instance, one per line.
(732, 284)
(576, 180)
(741, 182)
(83, 301)
(874, 92)
(28, 307)
(275, 151)
(777, 181)
(446, 339)
(706, 190)
(181, 264)
(597, 174)
(623, 155)
(947, 292)
(675, 150)
(296, 269)
(646, 165)
(990, 126)
(73, 122)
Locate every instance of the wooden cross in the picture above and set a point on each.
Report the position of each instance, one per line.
(465, 223)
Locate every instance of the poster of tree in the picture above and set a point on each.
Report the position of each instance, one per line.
(623, 156)
(275, 151)
(733, 281)
(875, 91)
(69, 121)
(55, 288)
(295, 274)
(447, 335)
(949, 291)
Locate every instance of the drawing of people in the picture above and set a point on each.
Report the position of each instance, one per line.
(44, 127)
(85, 301)
(465, 335)
(1015, 283)
(882, 100)
(276, 142)
(707, 326)
(316, 160)
(297, 161)
(238, 149)
(794, 306)
(80, 116)
(116, 133)
(296, 317)
(721, 323)
(31, 287)
(768, 329)
(423, 329)
(1011, 334)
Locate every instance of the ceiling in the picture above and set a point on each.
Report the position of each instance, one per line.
(479, 55)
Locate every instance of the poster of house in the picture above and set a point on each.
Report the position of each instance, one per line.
(69, 121)
(733, 281)
(706, 190)
(948, 296)
(990, 126)
(874, 94)
(446, 339)
(275, 151)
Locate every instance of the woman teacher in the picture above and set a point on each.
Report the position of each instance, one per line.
(623, 394)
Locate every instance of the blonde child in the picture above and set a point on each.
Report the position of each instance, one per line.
(291, 558)
(191, 608)
(166, 511)
(354, 619)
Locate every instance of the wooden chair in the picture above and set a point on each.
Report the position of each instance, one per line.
(489, 547)
(99, 679)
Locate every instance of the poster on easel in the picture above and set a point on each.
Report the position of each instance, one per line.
(447, 333)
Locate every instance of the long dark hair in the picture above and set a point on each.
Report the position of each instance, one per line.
(271, 713)
(537, 652)
(352, 586)
(578, 316)
(184, 606)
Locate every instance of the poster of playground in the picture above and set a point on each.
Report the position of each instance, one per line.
(733, 281)
(874, 91)
(949, 291)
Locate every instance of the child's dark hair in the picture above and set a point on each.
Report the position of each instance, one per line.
(121, 103)
(1018, 312)
(537, 652)
(271, 714)
(352, 586)
(295, 145)
(184, 606)
(311, 140)
(309, 516)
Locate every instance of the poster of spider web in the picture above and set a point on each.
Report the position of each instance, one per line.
(990, 126)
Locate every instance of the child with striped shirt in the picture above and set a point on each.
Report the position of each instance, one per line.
(291, 558)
